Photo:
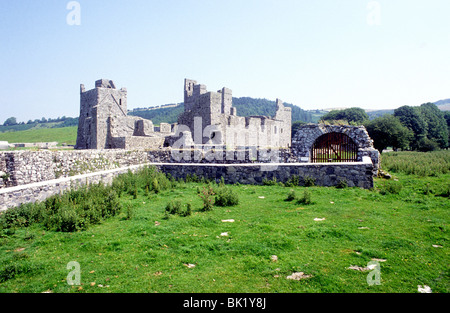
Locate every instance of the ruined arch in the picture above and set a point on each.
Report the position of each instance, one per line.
(305, 137)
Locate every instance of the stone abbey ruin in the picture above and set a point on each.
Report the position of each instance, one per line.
(209, 140)
(208, 119)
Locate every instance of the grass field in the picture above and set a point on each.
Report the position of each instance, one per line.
(402, 225)
(66, 135)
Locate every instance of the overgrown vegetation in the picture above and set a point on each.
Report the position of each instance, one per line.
(417, 163)
(73, 210)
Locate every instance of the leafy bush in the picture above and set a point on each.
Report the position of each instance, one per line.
(342, 184)
(271, 182)
(390, 187)
(155, 185)
(71, 211)
(445, 192)
(173, 207)
(309, 181)
(291, 196)
(76, 209)
(129, 212)
(293, 181)
(206, 196)
(21, 216)
(225, 196)
(188, 211)
(146, 179)
(425, 145)
(306, 198)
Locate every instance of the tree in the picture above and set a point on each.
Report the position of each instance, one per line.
(447, 119)
(412, 118)
(437, 129)
(10, 121)
(296, 126)
(387, 131)
(352, 115)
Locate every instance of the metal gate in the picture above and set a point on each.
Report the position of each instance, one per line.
(334, 147)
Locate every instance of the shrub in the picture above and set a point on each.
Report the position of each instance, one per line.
(293, 181)
(206, 196)
(77, 208)
(129, 212)
(342, 184)
(306, 198)
(426, 144)
(226, 197)
(390, 187)
(111, 205)
(188, 211)
(445, 192)
(155, 185)
(309, 181)
(68, 220)
(21, 216)
(271, 182)
(291, 196)
(173, 207)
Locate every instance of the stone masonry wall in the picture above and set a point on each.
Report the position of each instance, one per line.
(26, 167)
(357, 174)
(14, 196)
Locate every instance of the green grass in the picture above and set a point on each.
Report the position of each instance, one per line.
(66, 135)
(144, 249)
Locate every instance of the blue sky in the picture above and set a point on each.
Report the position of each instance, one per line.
(314, 54)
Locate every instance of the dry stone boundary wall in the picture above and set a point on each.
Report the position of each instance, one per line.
(26, 167)
(30, 176)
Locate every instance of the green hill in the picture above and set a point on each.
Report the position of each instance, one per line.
(66, 135)
(159, 115)
(245, 106)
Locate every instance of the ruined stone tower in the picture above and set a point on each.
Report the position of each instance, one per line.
(212, 119)
(97, 107)
(104, 123)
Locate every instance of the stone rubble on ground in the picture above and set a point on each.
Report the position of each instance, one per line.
(298, 276)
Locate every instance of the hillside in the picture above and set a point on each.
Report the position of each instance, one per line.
(66, 135)
(245, 106)
(443, 105)
(377, 113)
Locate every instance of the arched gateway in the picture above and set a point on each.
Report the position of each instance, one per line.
(333, 143)
(334, 147)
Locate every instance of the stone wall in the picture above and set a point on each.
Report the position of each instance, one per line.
(26, 167)
(221, 155)
(14, 196)
(357, 174)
